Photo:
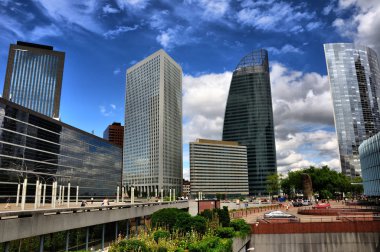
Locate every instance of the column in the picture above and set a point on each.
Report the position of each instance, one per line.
(44, 195)
(77, 196)
(117, 194)
(23, 197)
(87, 235)
(127, 231)
(103, 233)
(36, 195)
(67, 239)
(68, 195)
(41, 243)
(18, 194)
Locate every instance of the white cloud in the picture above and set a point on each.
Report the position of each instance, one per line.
(285, 49)
(204, 101)
(176, 36)
(276, 16)
(111, 34)
(74, 13)
(108, 9)
(116, 71)
(132, 4)
(302, 112)
(107, 110)
(364, 25)
(45, 31)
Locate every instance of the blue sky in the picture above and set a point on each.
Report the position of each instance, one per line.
(207, 38)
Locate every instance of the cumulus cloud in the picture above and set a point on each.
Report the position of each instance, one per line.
(364, 25)
(302, 113)
(108, 9)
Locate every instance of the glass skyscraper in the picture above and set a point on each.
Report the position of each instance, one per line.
(248, 118)
(354, 77)
(34, 77)
(153, 126)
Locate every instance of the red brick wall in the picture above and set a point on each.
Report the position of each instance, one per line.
(208, 204)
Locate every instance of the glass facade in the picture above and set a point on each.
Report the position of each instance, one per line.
(153, 125)
(248, 118)
(370, 164)
(218, 167)
(34, 77)
(354, 77)
(34, 146)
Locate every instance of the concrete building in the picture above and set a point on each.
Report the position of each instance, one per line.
(354, 77)
(218, 167)
(153, 126)
(186, 188)
(114, 133)
(34, 77)
(248, 118)
(370, 164)
(36, 147)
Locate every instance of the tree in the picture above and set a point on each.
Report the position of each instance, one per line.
(326, 182)
(273, 183)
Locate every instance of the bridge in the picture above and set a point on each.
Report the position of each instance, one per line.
(16, 225)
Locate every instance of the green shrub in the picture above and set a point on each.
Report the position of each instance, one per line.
(241, 228)
(208, 214)
(165, 218)
(162, 249)
(183, 222)
(160, 234)
(224, 217)
(199, 224)
(131, 245)
(225, 232)
(211, 243)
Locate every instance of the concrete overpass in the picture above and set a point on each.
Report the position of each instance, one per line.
(15, 225)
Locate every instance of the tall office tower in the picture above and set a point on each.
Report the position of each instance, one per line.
(354, 77)
(114, 134)
(218, 167)
(153, 126)
(34, 77)
(248, 118)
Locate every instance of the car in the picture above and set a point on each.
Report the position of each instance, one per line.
(322, 206)
(297, 203)
(306, 203)
(278, 214)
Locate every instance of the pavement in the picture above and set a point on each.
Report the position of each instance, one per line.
(253, 217)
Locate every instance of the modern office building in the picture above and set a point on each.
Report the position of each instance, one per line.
(218, 167)
(248, 118)
(34, 77)
(354, 77)
(369, 152)
(114, 134)
(37, 147)
(153, 126)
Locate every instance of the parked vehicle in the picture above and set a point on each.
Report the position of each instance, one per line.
(278, 214)
(297, 203)
(322, 206)
(307, 203)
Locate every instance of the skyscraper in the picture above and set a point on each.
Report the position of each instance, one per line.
(153, 125)
(354, 77)
(248, 118)
(34, 77)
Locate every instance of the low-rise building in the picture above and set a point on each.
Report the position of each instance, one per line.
(186, 188)
(38, 147)
(370, 165)
(218, 167)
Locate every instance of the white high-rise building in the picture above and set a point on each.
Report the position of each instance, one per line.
(153, 126)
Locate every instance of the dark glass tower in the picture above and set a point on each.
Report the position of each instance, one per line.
(248, 118)
(34, 77)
